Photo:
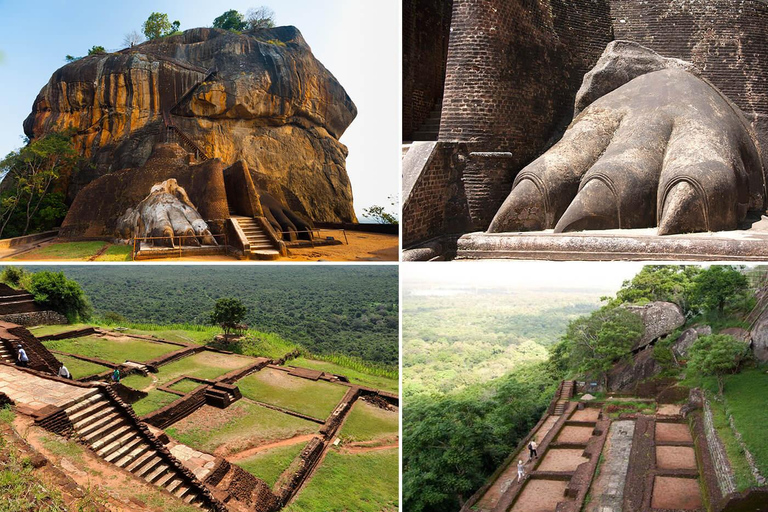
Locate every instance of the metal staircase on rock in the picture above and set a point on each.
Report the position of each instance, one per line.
(261, 246)
(108, 431)
(430, 128)
(566, 393)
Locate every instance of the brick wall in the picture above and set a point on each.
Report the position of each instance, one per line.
(35, 318)
(426, 25)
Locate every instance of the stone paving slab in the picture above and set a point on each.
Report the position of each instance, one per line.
(37, 392)
(675, 457)
(608, 489)
(198, 462)
(673, 433)
(676, 493)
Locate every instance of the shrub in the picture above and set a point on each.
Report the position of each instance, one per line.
(53, 290)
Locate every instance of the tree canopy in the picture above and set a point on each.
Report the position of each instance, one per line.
(716, 354)
(227, 313)
(55, 291)
(158, 25)
(714, 287)
(260, 17)
(669, 283)
(231, 20)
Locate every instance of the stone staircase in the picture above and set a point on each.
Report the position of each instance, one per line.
(6, 355)
(108, 431)
(222, 395)
(566, 393)
(430, 128)
(261, 246)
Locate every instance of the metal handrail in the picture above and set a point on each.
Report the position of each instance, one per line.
(137, 241)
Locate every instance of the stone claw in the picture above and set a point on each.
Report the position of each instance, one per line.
(523, 210)
(682, 211)
(594, 207)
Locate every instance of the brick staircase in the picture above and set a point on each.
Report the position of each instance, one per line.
(566, 393)
(108, 431)
(261, 246)
(6, 355)
(430, 128)
(222, 395)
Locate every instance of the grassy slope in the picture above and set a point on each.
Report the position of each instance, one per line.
(355, 377)
(79, 368)
(270, 464)
(315, 399)
(367, 422)
(205, 365)
(251, 423)
(67, 251)
(369, 482)
(153, 401)
(111, 350)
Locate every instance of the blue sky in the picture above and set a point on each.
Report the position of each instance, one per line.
(357, 40)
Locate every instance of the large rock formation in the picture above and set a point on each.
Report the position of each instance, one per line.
(660, 318)
(260, 97)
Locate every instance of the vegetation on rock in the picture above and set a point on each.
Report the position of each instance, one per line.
(55, 291)
(717, 355)
(158, 25)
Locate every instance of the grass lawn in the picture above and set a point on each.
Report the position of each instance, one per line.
(185, 386)
(116, 253)
(79, 368)
(270, 464)
(315, 399)
(739, 464)
(363, 482)
(114, 350)
(45, 330)
(367, 422)
(63, 251)
(241, 426)
(205, 365)
(137, 381)
(354, 376)
(153, 401)
(745, 394)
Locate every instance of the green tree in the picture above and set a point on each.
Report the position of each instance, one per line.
(53, 290)
(716, 354)
(13, 276)
(96, 50)
(378, 213)
(670, 283)
(31, 172)
(597, 341)
(231, 20)
(227, 313)
(260, 17)
(158, 25)
(714, 287)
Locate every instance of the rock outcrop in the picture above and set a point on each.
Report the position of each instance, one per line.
(659, 318)
(759, 336)
(260, 97)
(687, 338)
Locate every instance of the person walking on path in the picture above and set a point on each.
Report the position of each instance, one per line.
(64, 372)
(116, 375)
(22, 360)
(520, 470)
(532, 448)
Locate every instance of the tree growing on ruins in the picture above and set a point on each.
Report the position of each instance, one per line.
(31, 172)
(231, 20)
(133, 38)
(716, 355)
(718, 285)
(228, 313)
(55, 291)
(158, 25)
(595, 342)
(260, 17)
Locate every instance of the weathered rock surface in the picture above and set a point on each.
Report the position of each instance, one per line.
(269, 103)
(737, 333)
(759, 336)
(166, 213)
(659, 318)
(686, 339)
(665, 149)
(625, 376)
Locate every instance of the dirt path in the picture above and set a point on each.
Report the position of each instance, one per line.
(258, 449)
(366, 449)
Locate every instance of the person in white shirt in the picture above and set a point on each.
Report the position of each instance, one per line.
(520, 470)
(64, 372)
(22, 360)
(532, 448)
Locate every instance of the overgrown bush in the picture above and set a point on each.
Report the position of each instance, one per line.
(53, 290)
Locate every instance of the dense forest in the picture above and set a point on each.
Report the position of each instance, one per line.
(457, 340)
(349, 310)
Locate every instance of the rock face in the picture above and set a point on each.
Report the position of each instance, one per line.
(659, 318)
(760, 339)
(260, 97)
(625, 376)
(166, 212)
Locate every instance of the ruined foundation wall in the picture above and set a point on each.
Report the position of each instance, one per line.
(426, 26)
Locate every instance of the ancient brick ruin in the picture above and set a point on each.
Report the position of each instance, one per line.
(513, 70)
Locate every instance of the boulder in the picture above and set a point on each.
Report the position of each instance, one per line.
(687, 338)
(659, 318)
(759, 337)
(625, 376)
(738, 333)
(260, 97)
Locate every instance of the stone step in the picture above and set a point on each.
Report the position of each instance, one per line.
(118, 443)
(181, 491)
(165, 479)
(158, 472)
(265, 254)
(111, 432)
(189, 498)
(125, 450)
(175, 483)
(140, 461)
(74, 409)
(90, 425)
(90, 414)
(132, 455)
(150, 465)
